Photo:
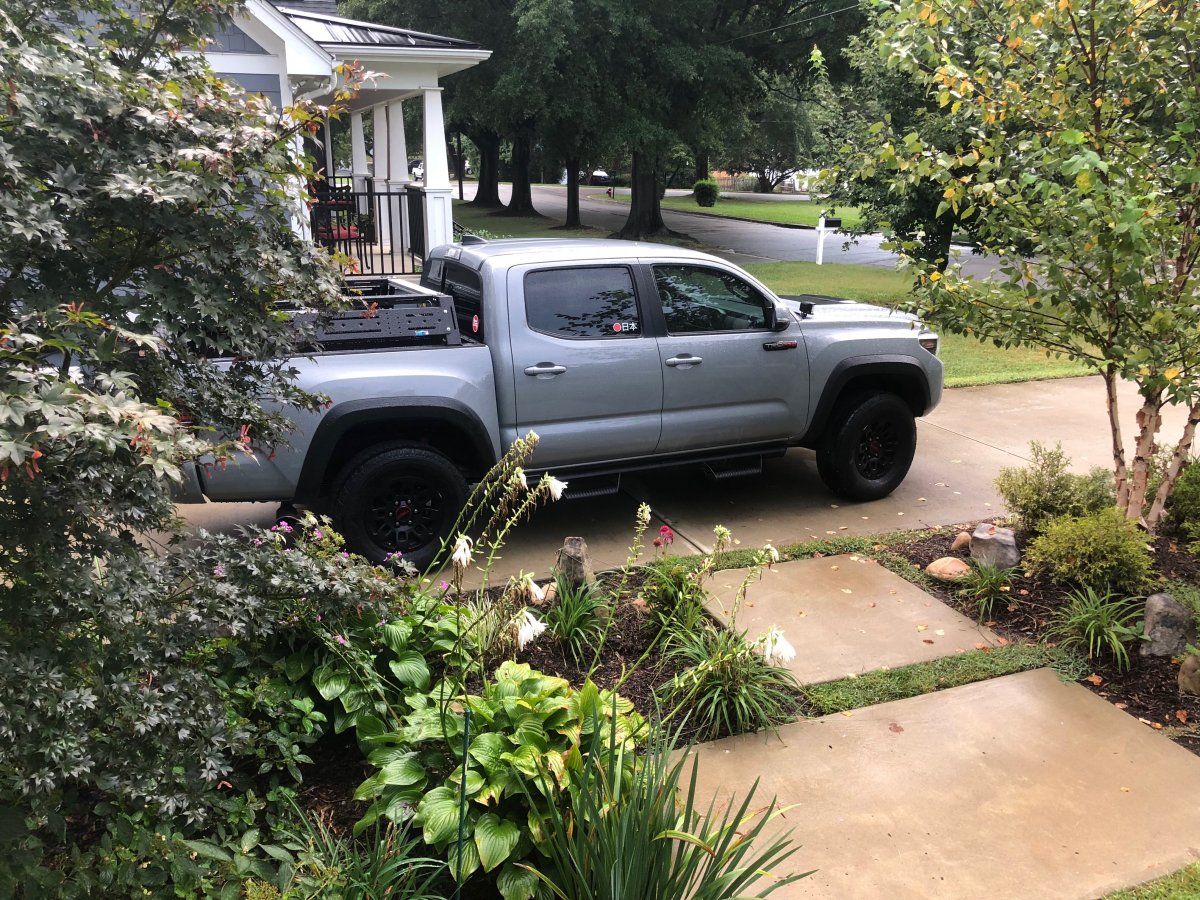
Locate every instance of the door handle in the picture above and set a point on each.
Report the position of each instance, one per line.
(684, 360)
(545, 369)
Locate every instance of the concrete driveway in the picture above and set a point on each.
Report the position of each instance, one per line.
(962, 445)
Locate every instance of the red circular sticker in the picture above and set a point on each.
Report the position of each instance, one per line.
(475, 324)
(616, 326)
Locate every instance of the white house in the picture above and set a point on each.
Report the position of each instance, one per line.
(290, 51)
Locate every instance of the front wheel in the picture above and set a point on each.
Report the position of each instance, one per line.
(868, 446)
(398, 498)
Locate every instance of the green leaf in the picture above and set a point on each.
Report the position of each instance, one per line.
(1073, 137)
(330, 683)
(249, 840)
(470, 860)
(437, 814)
(209, 851)
(396, 635)
(496, 839)
(515, 883)
(410, 668)
(403, 771)
(486, 750)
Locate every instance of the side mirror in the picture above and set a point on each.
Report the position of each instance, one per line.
(772, 319)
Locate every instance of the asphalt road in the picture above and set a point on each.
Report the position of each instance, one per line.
(740, 242)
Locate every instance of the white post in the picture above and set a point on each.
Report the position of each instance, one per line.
(379, 177)
(397, 173)
(439, 216)
(358, 151)
(328, 152)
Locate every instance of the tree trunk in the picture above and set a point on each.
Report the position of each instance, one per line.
(1178, 459)
(488, 192)
(521, 202)
(764, 185)
(573, 220)
(702, 168)
(1120, 470)
(1149, 421)
(645, 210)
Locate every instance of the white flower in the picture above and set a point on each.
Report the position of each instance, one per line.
(519, 478)
(643, 515)
(723, 537)
(529, 627)
(532, 590)
(772, 553)
(462, 552)
(776, 648)
(556, 487)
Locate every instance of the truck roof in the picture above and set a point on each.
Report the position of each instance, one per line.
(520, 250)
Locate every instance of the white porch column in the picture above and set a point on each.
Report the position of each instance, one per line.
(358, 152)
(439, 216)
(379, 177)
(397, 173)
(328, 141)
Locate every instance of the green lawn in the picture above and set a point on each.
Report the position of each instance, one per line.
(789, 212)
(968, 361)
(1183, 885)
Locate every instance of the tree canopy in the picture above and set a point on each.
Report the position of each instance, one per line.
(1082, 170)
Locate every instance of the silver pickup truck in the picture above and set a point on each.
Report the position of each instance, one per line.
(621, 356)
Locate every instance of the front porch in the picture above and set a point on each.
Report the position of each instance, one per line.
(376, 215)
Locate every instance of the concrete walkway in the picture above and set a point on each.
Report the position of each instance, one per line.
(1021, 787)
(845, 615)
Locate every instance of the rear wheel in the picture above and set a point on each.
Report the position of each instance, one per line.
(398, 498)
(868, 447)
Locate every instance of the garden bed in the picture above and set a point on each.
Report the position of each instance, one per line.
(1148, 691)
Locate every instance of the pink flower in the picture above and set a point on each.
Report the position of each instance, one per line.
(283, 527)
(219, 570)
(341, 639)
(667, 535)
(257, 542)
(318, 534)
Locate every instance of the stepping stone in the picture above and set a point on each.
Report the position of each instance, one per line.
(845, 615)
(1021, 787)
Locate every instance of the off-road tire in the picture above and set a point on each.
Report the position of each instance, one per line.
(868, 446)
(397, 497)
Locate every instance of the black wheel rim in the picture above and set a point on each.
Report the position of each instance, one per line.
(406, 514)
(875, 455)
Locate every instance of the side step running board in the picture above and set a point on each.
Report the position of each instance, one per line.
(734, 468)
(592, 486)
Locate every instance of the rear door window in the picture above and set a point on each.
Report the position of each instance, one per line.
(589, 302)
(464, 285)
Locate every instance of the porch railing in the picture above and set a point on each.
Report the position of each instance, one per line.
(382, 232)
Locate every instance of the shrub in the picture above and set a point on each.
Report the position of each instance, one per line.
(1105, 551)
(726, 686)
(1100, 624)
(706, 192)
(986, 585)
(649, 836)
(675, 597)
(574, 619)
(525, 727)
(1045, 490)
(1184, 505)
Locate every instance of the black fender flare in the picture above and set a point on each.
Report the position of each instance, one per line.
(344, 417)
(905, 374)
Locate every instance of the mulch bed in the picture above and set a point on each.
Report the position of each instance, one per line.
(1148, 691)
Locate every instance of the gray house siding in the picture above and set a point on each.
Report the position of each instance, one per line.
(267, 85)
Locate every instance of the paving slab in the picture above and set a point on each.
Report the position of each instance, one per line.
(1020, 787)
(845, 615)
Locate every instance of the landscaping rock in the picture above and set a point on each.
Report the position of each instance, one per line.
(992, 545)
(948, 568)
(1189, 676)
(1169, 627)
(575, 563)
(962, 541)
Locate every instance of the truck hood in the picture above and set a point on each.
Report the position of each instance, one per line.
(835, 309)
